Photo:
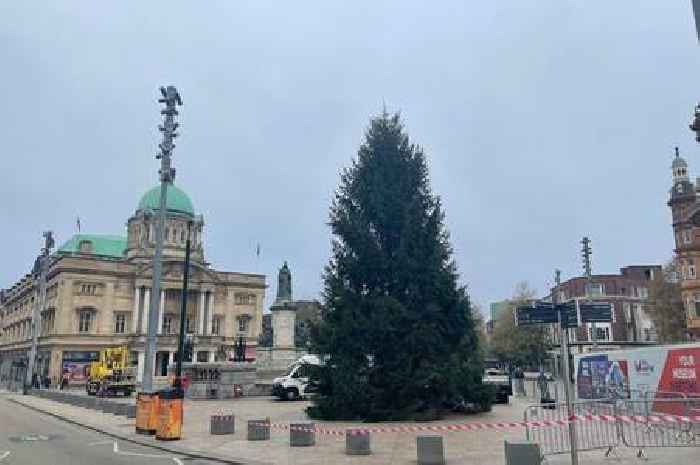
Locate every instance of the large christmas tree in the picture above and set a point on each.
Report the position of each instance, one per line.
(397, 332)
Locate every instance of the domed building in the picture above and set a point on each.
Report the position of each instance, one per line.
(98, 296)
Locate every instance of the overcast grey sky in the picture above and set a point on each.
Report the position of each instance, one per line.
(543, 121)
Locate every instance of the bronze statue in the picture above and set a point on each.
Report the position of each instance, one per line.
(284, 284)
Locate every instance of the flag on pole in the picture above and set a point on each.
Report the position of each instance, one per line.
(257, 251)
(77, 223)
(696, 13)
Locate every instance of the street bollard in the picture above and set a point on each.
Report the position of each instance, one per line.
(522, 453)
(90, 403)
(302, 434)
(121, 409)
(259, 430)
(107, 406)
(357, 442)
(222, 424)
(430, 450)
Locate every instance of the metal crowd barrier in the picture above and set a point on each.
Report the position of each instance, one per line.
(591, 435)
(648, 420)
(665, 423)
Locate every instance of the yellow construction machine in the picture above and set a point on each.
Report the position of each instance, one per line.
(112, 374)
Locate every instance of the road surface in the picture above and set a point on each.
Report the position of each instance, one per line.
(31, 438)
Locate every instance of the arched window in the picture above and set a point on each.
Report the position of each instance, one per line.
(85, 247)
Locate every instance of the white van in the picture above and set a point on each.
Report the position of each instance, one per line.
(295, 383)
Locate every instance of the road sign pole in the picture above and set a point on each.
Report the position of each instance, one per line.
(564, 346)
(564, 337)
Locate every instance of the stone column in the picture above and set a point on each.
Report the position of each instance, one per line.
(171, 358)
(139, 369)
(200, 312)
(210, 313)
(135, 314)
(194, 355)
(145, 307)
(161, 311)
(212, 355)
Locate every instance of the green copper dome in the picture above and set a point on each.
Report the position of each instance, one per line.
(176, 201)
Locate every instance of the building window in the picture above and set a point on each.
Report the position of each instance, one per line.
(245, 299)
(595, 289)
(644, 292)
(203, 356)
(687, 236)
(697, 305)
(167, 324)
(602, 333)
(627, 310)
(243, 323)
(85, 321)
(189, 324)
(215, 326)
(119, 323)
(88, 289)
(182, 236)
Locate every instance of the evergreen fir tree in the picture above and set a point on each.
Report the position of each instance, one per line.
(397, 330)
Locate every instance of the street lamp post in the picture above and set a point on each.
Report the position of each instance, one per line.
(171, 98)
(586, 255)
(183, 313)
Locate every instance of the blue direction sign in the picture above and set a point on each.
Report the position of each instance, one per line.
(569, 314)
(537, 314)
(541, 313)
(595, 312)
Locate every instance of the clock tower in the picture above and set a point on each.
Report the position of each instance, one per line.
(685, 212)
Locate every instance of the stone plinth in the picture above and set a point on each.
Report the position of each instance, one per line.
(218, 380)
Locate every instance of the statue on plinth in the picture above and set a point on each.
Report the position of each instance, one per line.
(284, 285)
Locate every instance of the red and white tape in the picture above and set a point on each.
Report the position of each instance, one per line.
(460, 427)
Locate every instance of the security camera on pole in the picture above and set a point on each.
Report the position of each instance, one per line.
(147, 402)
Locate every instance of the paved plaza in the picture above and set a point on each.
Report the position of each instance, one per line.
(461, 447)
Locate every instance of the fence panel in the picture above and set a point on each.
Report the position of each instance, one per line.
(590, 435)
(659, 421)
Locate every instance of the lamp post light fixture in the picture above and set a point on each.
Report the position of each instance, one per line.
(171, 99)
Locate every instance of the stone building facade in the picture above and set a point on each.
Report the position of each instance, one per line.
(98, 295)
(684, 201)
(627, 292)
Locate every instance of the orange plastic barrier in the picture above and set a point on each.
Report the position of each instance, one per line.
(147, 413)
(170, 415)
